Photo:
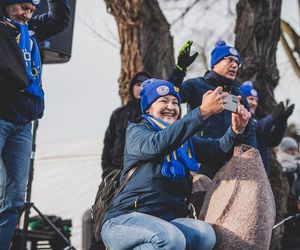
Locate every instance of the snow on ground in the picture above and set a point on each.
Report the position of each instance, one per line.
(66, 177)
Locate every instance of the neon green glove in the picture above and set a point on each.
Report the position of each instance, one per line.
(184, 60)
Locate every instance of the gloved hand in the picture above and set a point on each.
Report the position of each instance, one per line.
(281, 112)
(287, 112)
(277, 111)
(184, 59)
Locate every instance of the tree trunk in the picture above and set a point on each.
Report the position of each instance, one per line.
(146, 43)
(257, 35)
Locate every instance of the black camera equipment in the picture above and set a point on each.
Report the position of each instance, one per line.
(24, 233)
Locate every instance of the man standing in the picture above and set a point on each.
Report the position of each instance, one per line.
(270, 129)
(225, 62)
(21, 97)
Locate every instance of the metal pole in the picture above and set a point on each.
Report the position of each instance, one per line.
(287, 219)
(29, 186)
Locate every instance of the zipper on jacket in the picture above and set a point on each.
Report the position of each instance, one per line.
(136, 203)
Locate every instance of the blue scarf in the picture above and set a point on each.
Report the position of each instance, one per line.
(31, 55)
(176, 163)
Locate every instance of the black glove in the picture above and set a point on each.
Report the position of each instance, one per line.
(277, 111)
(287, 112)
(184, 59)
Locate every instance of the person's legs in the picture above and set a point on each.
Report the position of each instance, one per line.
(15, 148)
(198, 234)
(140, 231)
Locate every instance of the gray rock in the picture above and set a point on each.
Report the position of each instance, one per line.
(240, 204)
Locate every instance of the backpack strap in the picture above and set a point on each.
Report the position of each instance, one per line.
(127, 178)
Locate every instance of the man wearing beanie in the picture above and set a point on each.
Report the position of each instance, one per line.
(270, 129)
(21, 97)
(225, 62)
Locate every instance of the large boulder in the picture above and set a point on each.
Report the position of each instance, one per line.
(240, 204)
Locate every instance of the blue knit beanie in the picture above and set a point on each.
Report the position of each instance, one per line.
(248, 90)
(10, 2)
(152, 89)
(222, 50)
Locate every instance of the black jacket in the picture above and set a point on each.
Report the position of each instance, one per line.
(192, 90)
(114, 140)
(17, 106)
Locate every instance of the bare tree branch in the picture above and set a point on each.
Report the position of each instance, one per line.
(184, 13)
(94, 31)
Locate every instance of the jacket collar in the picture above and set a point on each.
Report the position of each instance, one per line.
(217, 80)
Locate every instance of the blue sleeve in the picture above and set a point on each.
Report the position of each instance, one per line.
(264, 125)
(177, 77)
(54, 21)
(214, 150)
(185, 88)
(276, 133)
(144, 144)
(249, 136)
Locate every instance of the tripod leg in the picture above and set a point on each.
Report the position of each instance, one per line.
(54, 227)
(25, 225)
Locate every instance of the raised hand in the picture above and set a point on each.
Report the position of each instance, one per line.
(240, 119)
(184, 59)
(212, 102)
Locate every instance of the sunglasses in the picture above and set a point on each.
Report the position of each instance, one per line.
(233, 60)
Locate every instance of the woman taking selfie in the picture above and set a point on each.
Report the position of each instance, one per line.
(151, 211)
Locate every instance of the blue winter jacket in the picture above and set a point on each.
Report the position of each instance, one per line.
(269, 133)
(148, 191)
(17, 106)
(192, 90)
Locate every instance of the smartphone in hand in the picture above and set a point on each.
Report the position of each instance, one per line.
(231, 103)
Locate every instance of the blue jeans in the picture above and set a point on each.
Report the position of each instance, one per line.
(15, 148)
(140, 231)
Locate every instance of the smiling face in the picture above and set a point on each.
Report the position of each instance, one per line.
(20, 12)
(227, 67)
(166, 108)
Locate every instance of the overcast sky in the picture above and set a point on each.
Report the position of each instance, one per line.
(81, 94)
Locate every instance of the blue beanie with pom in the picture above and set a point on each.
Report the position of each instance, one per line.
(222, 50)
(152, 89)
(10, 2)
(247, 89)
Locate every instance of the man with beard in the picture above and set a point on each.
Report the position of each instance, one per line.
(225, 62)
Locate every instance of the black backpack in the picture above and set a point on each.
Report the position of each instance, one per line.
(107, 190)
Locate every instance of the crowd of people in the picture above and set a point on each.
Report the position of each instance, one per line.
(144, 191)
(152, 211)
